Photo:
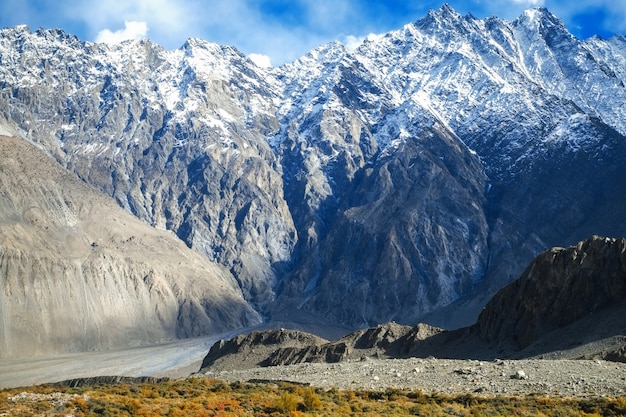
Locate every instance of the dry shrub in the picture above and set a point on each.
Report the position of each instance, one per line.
(287, 402)
(311, 399)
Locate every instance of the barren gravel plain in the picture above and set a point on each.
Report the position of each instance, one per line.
(563, 378)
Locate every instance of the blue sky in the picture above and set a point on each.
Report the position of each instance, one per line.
(280, 30)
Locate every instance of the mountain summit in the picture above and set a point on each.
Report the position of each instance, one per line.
(408, 179)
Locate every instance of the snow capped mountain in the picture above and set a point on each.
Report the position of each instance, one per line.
(420, 171)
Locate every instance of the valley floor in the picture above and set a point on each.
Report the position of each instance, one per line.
(552, 377)
(563, 378)
(173, 359)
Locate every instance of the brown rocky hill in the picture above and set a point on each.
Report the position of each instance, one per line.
(79, 273)
(560, 287)
(288, 347)
(254, 348)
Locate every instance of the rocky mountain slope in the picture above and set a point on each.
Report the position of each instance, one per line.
(79, 273)
(412, 177)
(569, 303)
(559, 287)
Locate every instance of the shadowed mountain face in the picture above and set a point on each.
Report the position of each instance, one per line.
(412, 177)
(79, 273)
(568, 303)
(558, 288)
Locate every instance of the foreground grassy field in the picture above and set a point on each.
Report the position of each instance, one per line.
(209, 397)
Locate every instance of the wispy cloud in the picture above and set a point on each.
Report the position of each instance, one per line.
(352, 42)
(164, 17)
(529, 3)
(132, 30)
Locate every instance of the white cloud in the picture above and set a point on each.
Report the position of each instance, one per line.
(352, 42)
(132, 30)
(261, 60)
(165, 18)
(374, 36)
(530, 3)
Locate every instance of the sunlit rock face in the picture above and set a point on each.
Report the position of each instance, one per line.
(412, 177)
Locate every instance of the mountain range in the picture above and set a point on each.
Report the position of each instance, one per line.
(408, 179)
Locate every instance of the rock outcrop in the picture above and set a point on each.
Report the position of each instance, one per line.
(389, 340)
(79, 273)
(560, 287)
(617, 355)
(288, 347)
(254, 348)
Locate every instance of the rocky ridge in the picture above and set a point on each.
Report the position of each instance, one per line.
(287, 347)
(559, 287)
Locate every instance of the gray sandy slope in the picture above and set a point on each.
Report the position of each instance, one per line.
(78, 273)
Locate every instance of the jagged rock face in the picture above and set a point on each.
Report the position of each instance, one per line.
(399, 245)
(177, 138)
(559, 287)
(428, 166)
(376, 341)
(618, 355)
(78, 273)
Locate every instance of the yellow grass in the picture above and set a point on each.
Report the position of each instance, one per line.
(208, 397)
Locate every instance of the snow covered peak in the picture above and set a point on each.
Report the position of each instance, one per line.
(444, 19)
(41, 39)
(326, 53)
(196, 43)
(56, 35)
(540, 22)
(18, 30)
(539, 16)
(445, 12)
(319, 62)
(195, 47)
